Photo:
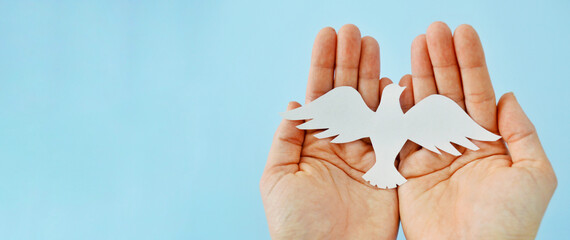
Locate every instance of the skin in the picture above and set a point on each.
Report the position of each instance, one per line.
(492, 193)
(313, 189)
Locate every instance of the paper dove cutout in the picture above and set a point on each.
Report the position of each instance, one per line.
(432, 123)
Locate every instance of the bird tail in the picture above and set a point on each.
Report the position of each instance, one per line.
(384, 176)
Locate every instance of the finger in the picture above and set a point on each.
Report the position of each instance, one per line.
(519, 133)
(422, 72)
(285, 151)
(369, 72)
(477, 88)
(442, 56)
(347, 56)
(322, 64)
(407, 97)
(383, 83)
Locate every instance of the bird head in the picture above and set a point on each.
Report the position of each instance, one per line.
(392, 92)
(394, 89)
(391, 96)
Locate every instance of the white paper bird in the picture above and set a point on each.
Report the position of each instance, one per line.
(432, 123)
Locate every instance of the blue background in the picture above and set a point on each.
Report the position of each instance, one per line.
(140, 120)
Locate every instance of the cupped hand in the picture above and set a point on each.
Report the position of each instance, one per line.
(313, 189)
(498, 192)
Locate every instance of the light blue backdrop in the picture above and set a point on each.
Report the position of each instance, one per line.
(140, 120)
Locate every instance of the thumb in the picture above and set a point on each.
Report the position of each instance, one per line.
(520, 135)
(288, 140)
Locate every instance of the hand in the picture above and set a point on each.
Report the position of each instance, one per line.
(313, 189)
(493, 193)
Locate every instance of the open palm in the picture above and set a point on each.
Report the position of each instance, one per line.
(313, 189)
(492, 193)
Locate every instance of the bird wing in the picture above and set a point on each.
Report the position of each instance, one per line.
(437, 120)
(341, 110)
